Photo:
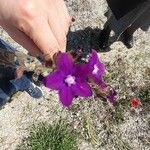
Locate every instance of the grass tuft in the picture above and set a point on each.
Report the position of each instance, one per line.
(48, 137)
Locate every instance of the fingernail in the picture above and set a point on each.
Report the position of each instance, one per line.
(48, 60)
(73, 19)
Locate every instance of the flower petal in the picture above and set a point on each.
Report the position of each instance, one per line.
(64, 62)
(93, 58)
(54, 80)
(103, 85)
(101, 67)
(66, 96)
(82, 89)
(96, 79)
(81, 71)
(96, 67)
(112, 96)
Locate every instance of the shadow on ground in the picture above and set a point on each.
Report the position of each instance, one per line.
(86, 40)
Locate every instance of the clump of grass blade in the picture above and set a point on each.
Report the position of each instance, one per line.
(49, 137)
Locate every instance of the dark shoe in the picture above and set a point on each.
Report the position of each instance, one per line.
(35, 78)
(7, 82)
(4, 98)
(128, 40)
(34, 91)
(9, 87)
(24, 84)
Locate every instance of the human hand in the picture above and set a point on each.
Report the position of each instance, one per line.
(40, 26)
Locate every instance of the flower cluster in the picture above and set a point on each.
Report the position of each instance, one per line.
(72, 79)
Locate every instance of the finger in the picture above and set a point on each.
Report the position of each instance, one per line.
(58, 32)
(64, 10)
(22, 39)
(41, 34)
(58, 28)
(60, 5)
(64, 15)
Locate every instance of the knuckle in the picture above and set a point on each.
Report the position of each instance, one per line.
(24, 26)
(26, 9)
(26, 16)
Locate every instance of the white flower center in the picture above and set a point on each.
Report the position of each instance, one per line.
(95, 70)
(70, 80)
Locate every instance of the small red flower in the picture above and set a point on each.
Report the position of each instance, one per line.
(135, 102)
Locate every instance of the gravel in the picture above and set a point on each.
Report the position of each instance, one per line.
(127, 70)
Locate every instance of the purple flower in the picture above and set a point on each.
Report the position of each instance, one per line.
(68, 79)
(96, 69)
(96, 72)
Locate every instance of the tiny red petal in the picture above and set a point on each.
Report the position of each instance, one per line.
(135, 102)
